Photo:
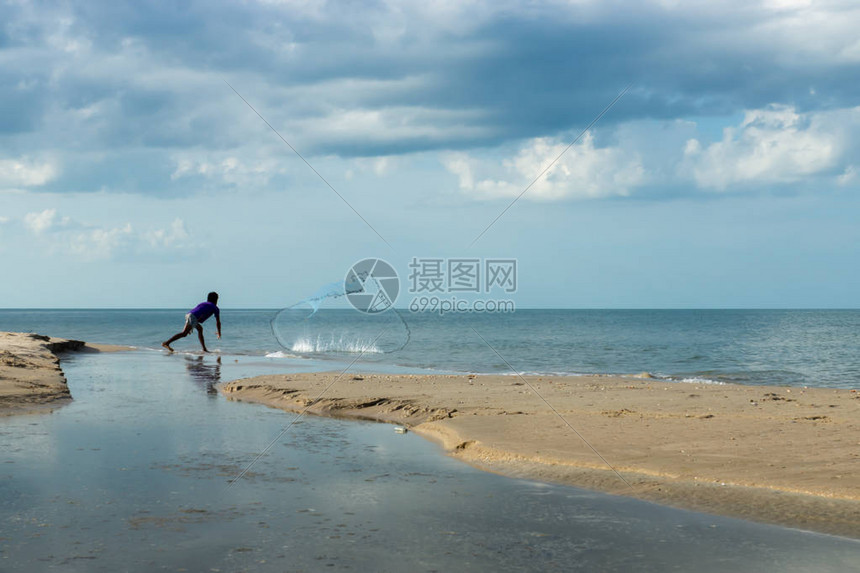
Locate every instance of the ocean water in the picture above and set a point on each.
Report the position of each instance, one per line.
(769, 347)
(138, 473)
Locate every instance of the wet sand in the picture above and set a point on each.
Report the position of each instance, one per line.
(779, 455)
(31, 379)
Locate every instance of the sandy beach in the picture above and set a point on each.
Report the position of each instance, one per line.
(31, 379)
(783, 455)
(779, 455)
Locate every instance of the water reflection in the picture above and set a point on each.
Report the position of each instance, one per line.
(203, 373)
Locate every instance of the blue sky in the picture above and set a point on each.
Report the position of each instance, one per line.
(131, 175)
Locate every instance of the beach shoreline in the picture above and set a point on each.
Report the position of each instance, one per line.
(31, 379)
(773, 454)
(780, 455)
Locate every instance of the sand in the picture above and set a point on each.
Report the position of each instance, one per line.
(788, 456)
(31, 379)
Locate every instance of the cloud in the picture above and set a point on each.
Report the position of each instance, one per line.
(584, 171)
(132, 99)
(848, 176)
(228, 168)
(24, 172)
(91, 242)
(773, 145)
(383, 165)
(175, 236)
(769, 148)
(106, 243)
(379, 166)
(44, 221)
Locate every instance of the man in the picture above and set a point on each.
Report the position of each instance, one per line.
(194, 319)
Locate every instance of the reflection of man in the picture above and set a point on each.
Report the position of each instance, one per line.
(207, 374)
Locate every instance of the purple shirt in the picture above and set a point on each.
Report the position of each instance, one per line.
(204, 310)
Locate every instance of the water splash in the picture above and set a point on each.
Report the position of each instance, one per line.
(338, 331)
(332, 344)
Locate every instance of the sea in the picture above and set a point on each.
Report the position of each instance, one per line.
(816, 348)
(150, 468)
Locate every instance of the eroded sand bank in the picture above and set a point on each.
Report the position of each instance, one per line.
(31, 379)
(774, 454)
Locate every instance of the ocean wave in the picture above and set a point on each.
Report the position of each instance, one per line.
(543, 373)
(698, 380)
(654, 377)
(282, 354)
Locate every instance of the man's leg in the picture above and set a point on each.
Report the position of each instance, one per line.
(200, 335)
(185, 332)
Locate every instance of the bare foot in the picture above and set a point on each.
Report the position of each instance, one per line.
(167, 346)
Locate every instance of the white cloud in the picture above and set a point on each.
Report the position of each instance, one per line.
(25, 172)
(382, 165)
(44, 221)
(40, 222)
(91, 242)
(798, 34)
(460, 164)
(584, 171)
(848, 176)
(824, 32)
(390, 126)
(175, 235)
(102, 243)
(771, 145)
(227, 168)
(787, 4)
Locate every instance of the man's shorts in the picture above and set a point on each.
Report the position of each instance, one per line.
(191, 320)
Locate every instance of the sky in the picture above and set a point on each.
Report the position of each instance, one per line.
(152, 152)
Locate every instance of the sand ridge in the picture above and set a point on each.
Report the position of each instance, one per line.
(774, 454)
(31, 379)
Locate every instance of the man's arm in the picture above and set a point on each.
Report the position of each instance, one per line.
(218, 325)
